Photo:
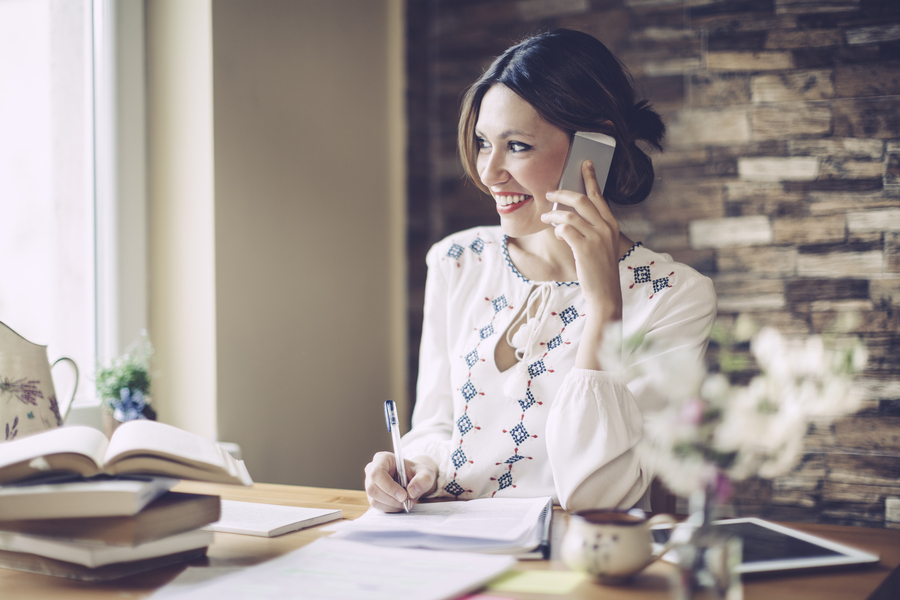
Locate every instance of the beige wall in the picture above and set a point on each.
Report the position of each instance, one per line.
(309, 233)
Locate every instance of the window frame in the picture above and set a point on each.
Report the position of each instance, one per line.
(120, 189)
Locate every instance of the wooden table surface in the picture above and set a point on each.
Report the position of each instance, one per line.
(241, 550)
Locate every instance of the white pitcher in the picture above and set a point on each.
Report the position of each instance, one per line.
(28, 402)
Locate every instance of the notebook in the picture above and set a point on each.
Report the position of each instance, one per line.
(269, 520)
(515, 526)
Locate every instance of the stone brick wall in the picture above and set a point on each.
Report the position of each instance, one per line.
(780, 180)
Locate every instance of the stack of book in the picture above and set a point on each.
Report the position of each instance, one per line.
(75, 505)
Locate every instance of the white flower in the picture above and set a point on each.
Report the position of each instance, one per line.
(716, 387)
(768, 348)
(755, 429)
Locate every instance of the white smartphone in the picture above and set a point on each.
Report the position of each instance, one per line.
(586, 145)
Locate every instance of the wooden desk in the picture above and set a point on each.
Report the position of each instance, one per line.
(234, 550)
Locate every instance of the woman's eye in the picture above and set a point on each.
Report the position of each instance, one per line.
(481, 143)
(519, 147)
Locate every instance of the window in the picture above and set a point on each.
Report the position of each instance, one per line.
(47, 263)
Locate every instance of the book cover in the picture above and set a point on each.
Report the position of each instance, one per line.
(78, 497)
(168, 515)
(92, 554)
(32, 563)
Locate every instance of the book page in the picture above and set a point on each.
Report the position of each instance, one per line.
(498, 519)
(151, 437)
(331, 569)
(76, 439)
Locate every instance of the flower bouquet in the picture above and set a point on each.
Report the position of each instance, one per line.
(712, 431)
(124, 386)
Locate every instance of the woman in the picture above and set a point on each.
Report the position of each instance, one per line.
(513, 398)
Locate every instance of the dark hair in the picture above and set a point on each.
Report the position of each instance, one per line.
(575, 83)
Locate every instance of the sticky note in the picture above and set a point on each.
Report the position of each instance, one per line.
(538, 582)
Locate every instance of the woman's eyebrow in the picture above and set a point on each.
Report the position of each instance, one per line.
(509, 133)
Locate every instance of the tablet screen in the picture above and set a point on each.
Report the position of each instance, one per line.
(771, 547)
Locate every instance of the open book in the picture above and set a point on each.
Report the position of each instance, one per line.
(136, 447)
(517, 526)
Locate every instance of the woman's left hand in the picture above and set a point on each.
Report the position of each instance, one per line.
(593, 236)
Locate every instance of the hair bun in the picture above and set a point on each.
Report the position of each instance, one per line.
(644, 123)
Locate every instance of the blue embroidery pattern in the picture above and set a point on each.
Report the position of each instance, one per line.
(455, 489)
(529, 400)
(519, 433)
(642, 275)
(468, 390)
(458, 457)
(456, 250)
(536, 368)
(464, 424)
(568, 315)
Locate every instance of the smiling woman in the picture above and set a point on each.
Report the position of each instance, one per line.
(519, 391)
(574, 83)
(520, 158)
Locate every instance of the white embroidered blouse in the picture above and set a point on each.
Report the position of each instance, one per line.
(543, 427)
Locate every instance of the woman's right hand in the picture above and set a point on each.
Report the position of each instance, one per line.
(385, 494)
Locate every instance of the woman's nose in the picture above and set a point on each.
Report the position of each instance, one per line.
(493, 170)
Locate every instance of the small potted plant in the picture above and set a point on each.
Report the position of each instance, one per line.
(124, 386)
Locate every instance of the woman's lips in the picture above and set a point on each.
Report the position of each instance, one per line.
(507, 203)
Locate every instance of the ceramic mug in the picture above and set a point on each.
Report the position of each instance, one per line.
(611, 545)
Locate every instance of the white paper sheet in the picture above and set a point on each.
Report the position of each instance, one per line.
(504, 522)
(331, 569)
(267, 520)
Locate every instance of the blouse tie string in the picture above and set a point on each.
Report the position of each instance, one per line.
(524, 340)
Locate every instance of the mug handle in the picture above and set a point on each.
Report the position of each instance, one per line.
(659, 520)
(64, 413)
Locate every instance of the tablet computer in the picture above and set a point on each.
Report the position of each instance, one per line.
(771, 547)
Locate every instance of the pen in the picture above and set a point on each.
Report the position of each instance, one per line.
(390, 415)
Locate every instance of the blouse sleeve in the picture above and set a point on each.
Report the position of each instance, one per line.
(596, 420)
(432, 420)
